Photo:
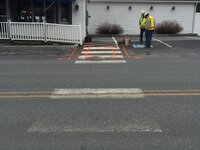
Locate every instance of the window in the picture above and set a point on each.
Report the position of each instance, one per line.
(21, 10)
(65, 13)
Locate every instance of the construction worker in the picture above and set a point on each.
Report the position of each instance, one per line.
(142, 24)
(150, 27)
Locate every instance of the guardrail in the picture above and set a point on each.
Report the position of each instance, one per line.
(41, 32)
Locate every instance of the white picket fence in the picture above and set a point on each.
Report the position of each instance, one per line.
(41, 32)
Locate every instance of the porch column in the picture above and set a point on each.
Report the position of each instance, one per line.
(44, 7)
(8, 10)
(32, 10)
(59, 12)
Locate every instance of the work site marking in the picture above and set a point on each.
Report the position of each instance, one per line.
(104, 54)
(98, 93)
(162, 42)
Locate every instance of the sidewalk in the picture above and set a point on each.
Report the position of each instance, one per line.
(6, 49)
(41, 48)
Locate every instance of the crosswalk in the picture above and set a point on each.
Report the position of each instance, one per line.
(100, 54)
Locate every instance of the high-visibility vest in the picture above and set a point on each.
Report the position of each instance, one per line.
(151, 21)
(142, 22)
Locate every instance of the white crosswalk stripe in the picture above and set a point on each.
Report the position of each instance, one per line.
(100, 48)
(100, 56)
(103, 54)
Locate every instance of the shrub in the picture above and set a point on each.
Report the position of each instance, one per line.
(168, 27)
(107, 28)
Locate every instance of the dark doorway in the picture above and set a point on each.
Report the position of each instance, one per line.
(3, 15)
(21, 10)
(40, 10)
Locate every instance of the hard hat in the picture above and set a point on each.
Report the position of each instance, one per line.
(142, 12)
(146, 14)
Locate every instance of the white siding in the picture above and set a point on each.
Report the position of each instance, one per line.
(128, 19)
(78, 16)
(197, 23)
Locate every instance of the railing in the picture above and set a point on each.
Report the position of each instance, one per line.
(41, 32)
(4, 33)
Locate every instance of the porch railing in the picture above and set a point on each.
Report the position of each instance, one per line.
(41, 32)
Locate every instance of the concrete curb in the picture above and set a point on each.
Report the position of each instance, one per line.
(136, 35)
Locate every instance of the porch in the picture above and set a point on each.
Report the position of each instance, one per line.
(46, 20)
(41, 32)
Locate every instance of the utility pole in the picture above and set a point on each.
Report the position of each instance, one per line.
(87, 38)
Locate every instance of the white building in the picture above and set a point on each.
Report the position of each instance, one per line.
(91, 13)
(27, 17)
(126, 13)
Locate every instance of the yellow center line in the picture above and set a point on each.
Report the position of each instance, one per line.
(171, 94)
(24, 96)
(15, 93)
(170, 91)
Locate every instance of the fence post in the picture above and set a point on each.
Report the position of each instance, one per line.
(45, 31)
(9, 30)
(80, 34)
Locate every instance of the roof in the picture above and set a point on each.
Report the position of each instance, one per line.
(142, 1)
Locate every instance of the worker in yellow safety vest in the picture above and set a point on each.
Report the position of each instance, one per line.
(150, 27)
(142, 24)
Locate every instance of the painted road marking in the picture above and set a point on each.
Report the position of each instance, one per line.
(117, 46)
(101, 48)
(162, 42)
(127, 54)
(104, 54)
(100, 56)
(50, 126)
(71, 55)
(101, 52)
(144, 93)
(97, 93)
(173, 91)
(100, 62)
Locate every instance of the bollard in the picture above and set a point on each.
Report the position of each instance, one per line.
(127, 40)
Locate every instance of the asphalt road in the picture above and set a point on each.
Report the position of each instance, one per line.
(164, 116)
